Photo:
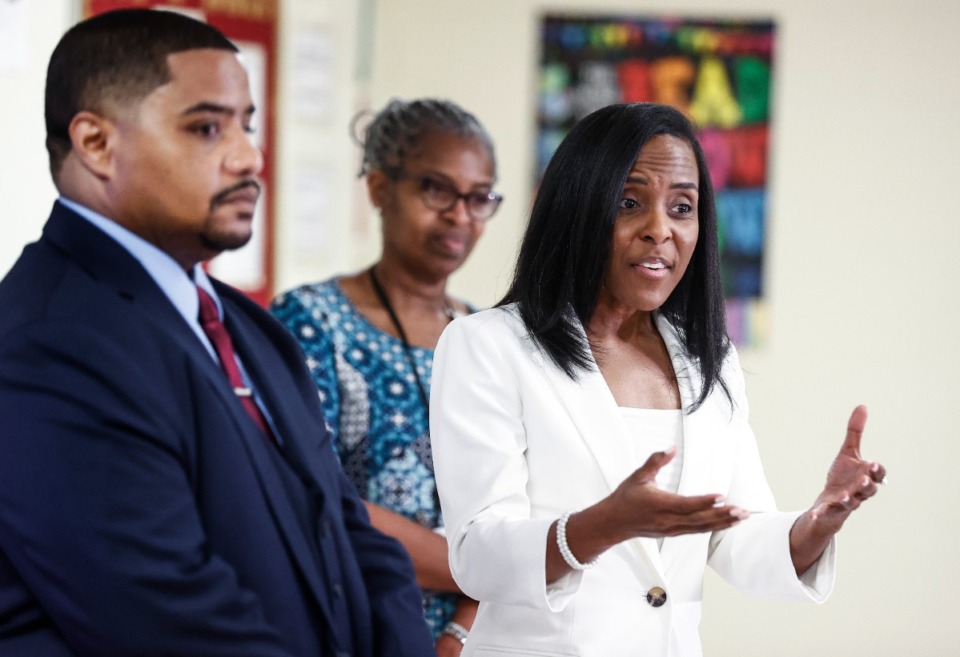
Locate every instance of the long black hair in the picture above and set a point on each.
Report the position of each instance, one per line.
(567, 243)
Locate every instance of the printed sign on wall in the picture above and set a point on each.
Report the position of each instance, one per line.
(719, 74)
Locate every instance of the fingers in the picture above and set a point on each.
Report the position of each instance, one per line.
(649, 511)
(715, 519)
(849, 499)
(839, 507)
(867, 489)
(681, 514)
(690, 504)
(878, 473)
(648, 471)
(858, 420)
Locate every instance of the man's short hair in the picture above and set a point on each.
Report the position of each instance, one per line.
(118, 57)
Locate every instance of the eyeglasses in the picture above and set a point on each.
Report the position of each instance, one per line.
(440, 196)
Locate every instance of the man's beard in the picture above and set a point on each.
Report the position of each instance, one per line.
(214, 237)
(220, 241)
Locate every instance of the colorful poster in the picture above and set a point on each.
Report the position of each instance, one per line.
(719, 74)
(252, 26)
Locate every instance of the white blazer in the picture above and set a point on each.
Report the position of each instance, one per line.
(516, 443)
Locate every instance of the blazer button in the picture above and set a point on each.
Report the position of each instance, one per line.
(656, 596)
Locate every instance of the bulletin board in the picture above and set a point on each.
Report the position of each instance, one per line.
(719, 73)
(252, 26)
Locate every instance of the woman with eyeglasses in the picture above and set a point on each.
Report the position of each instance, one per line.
(369, 336)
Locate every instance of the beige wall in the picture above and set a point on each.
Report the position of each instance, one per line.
(25, 188)
(861, 272)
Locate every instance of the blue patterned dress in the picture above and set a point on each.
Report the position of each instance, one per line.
(372, 408)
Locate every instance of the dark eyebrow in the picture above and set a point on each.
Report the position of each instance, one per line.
(205, 107)
(643, 181)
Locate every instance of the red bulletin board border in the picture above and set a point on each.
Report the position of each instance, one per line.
(252, 21)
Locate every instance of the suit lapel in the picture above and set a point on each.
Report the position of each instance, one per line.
(285, 405)
(99, 254)
(112, 265)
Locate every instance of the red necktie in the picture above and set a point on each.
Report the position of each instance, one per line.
(223, 345)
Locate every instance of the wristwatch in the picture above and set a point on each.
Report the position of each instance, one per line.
(457, 631)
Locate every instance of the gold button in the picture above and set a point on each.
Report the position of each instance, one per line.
(656, 596)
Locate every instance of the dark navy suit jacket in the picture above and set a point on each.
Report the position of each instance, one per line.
(141, 510)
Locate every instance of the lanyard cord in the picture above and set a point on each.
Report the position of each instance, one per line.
(403, 338)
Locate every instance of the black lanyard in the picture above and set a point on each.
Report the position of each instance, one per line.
(403, 338)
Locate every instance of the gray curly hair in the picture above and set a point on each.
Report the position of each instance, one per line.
(395, 132)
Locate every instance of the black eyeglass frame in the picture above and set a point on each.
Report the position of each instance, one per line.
(424, 180)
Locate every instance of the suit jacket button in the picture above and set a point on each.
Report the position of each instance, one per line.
(656, 596)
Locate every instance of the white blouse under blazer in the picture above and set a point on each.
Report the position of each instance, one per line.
(516, 442)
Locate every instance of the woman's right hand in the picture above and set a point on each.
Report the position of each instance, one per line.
(638, 508)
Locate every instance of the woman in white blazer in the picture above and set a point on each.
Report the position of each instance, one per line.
(590, 434)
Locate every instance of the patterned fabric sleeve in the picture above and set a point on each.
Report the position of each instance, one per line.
(372, 408)
(309, 325)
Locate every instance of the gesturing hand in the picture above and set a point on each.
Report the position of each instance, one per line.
(638, 508)
(642, 509)
(850, 480)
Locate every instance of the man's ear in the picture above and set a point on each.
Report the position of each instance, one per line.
(92, 137)
(378, 186)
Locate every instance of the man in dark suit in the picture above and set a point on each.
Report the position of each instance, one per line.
(168, 487)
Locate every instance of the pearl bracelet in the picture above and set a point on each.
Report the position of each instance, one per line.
(565, 549)
(457, 631)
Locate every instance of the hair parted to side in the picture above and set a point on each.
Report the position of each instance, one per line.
(396, 132)
(567, 242)
(117, 57)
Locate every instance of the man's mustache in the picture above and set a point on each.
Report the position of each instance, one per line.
(222, 195)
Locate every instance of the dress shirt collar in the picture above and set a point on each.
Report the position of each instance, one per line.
(175, 283)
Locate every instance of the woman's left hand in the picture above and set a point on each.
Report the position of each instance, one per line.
(850, 481)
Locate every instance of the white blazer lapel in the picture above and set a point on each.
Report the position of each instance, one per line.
(593, 410)
(597, 418)
(702, 429)
(689, 382)
(704, 457)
